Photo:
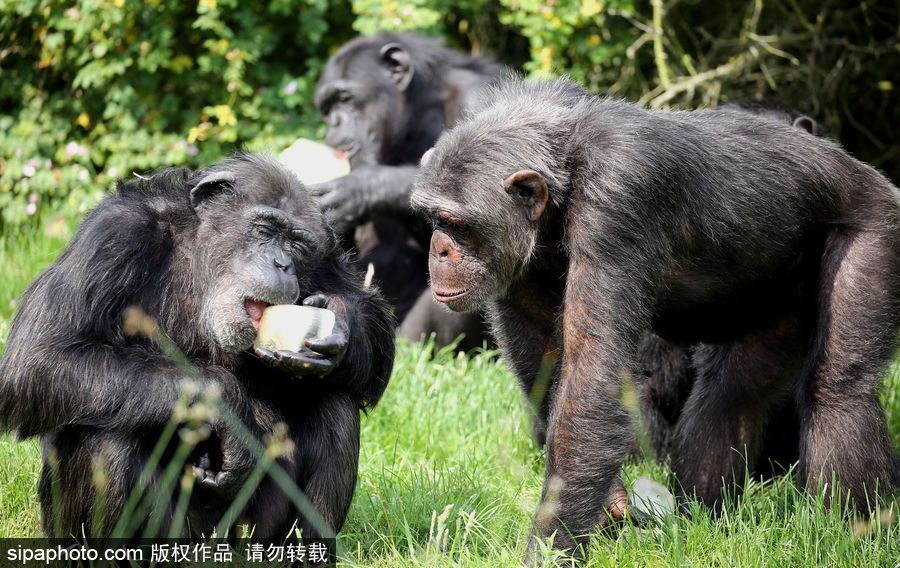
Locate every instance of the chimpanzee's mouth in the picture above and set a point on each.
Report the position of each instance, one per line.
(255, 309)
(345, 151)
(444, 296)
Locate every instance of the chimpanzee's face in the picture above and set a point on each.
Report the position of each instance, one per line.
(459, 262)
(485, 224)
(362, 97)
(360, 114)
(258, 236)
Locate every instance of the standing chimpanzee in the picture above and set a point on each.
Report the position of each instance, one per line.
(668, 370)
(386, 99)
(202, 254)
(582, 223)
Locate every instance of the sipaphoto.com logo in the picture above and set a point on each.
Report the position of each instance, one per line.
(218, 552)
(29, 552)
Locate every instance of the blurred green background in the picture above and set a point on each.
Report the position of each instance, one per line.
(93, 90)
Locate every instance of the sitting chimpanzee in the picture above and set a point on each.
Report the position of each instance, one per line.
(202, 254)
(582, 223)
(386, 99)
(669, 370)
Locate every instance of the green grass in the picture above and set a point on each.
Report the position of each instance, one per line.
(449, 476)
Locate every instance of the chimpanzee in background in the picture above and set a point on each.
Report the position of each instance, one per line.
(668, 374)
(582, 223)
(386, 99)
(203, 254)
(778, 111)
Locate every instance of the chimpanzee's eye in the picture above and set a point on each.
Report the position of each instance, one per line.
(447, 221)
(300, 240)
(345, 97)
(264, 231)
(299, 235)
(299, 247)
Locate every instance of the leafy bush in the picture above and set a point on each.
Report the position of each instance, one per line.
(95, 91)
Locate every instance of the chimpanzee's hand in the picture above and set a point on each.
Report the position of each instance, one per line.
(366, 192)
(237, 463)
(224, 460)
(575, 545)
(346, 200)
(327, 353)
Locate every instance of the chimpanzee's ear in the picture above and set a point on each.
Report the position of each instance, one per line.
(426, 157)
(531, 188)
(397, 63)
(213, 184)
(807, 124)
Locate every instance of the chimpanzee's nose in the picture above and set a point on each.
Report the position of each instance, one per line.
(284, 263)
(443, 247)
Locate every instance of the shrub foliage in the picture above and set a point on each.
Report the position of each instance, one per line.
(95, 90)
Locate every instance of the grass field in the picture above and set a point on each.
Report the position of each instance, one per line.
(449, 475)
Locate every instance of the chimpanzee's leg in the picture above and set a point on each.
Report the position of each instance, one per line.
(322, 457)
(720, 432)
(328, 452)
(844, 432)
(87, 477)
(781, 441)
(664, 380)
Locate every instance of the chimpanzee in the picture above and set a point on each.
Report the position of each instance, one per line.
(668, 372)
(582, 223)
(778, 111)
(386, 99)
(202, 254)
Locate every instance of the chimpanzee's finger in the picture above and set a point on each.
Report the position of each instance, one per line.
(223, 482)
(618, 501)
(316, 301)
(334, 344)
(321, 189)
(267, 356)
(302, 364)
(331, 200)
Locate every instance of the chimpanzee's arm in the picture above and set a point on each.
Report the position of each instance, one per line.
(366, 365)
(369, 360)
(67, 360)
(372, 191)
(68, 381)
(529, 346)
(590, 431)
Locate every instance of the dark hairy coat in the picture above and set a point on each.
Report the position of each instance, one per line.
(581, 223)
(70, 373)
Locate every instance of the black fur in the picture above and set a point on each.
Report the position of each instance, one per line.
(669, 371)
(582, 223)
(187, 249)
(386, 99)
